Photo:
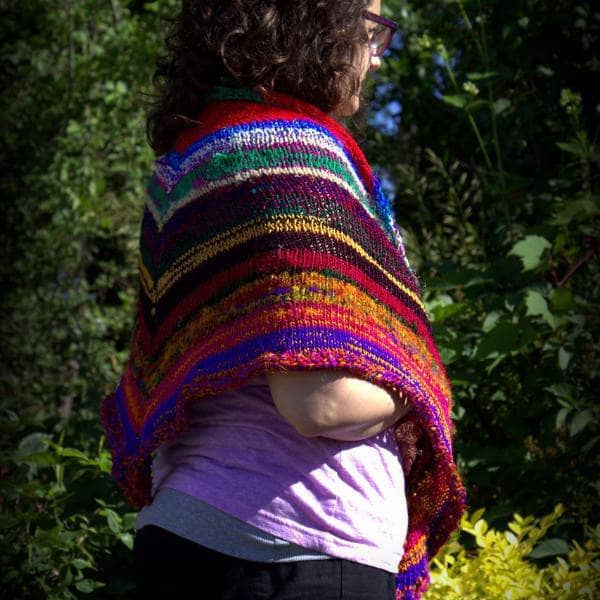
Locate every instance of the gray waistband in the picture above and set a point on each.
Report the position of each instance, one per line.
(195, 520)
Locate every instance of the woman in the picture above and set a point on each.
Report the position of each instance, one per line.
(283, 383)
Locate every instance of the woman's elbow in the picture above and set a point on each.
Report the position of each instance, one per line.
(298, 399)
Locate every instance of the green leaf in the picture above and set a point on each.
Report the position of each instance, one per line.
(511, 537)
(577, 211)
(127, 539)
(73, 453)
(530, 250)
(538, 307)
(544, 70)
(32, 444)
(40, 458)
(561, 390)
(105, 463)
(490, 320)
(528, 334)
(549, 547)
(561, 299)
(474, 104)
(561, 417)
(458, 100)
(462, 276)
(129, 520)
(502, 338)
(580, 421)
(441, 313)
(481, 76)
(500, 105)
(564, 358)
(448, 354)
(87, 586)
(113, 520)
(477, 515)
(572, 148)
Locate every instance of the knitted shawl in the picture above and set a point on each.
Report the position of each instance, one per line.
(267, 244)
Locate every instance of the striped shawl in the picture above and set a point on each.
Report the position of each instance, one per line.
(268, 244)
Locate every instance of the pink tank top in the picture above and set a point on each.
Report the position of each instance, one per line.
(345, 499)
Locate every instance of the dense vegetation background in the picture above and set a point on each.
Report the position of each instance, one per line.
(484, 128)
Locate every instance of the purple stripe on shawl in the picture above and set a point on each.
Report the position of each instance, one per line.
(410, 577)
(277, 342)
(131, 440)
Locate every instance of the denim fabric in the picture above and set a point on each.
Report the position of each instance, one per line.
(170, 567)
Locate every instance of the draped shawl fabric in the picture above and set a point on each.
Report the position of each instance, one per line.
(267, 244)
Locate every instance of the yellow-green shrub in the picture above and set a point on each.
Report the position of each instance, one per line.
(500, 567)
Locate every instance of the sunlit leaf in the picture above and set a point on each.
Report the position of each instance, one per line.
(564, 358)
(530, 250)
(538, 306)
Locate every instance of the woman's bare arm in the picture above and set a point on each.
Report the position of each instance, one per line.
(331, 404)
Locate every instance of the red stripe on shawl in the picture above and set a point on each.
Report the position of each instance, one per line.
(305, 259)
(337, 128)
(228, 113)
(246, 327)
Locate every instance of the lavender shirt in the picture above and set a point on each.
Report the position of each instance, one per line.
(344, 499)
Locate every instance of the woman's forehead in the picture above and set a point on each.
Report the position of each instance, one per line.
(375, 6)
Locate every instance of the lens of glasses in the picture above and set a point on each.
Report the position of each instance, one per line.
(380, 38)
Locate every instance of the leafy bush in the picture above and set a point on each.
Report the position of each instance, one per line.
(74, 87)
(68, 531)
(489, 143)
(494, 163)
(506, 564)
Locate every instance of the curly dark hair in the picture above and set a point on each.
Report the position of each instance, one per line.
(305, 48)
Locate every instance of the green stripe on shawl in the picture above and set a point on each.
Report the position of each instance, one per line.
(223, 165)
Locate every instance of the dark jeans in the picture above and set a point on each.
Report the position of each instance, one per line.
(170, 567)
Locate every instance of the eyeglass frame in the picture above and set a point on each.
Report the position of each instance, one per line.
(392, 26)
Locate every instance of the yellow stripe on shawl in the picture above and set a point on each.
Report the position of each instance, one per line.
(302, 286)
(197, 327)
(243, 233)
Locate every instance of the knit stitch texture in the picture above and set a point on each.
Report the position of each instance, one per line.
(267, 244)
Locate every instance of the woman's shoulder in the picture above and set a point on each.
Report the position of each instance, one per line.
(237, 140)
(248, 124)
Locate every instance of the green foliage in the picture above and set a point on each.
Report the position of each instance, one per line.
(74, 99)
(505, 564)
(495, 167)
(74, 200)
(496, 170)
(65, 539)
